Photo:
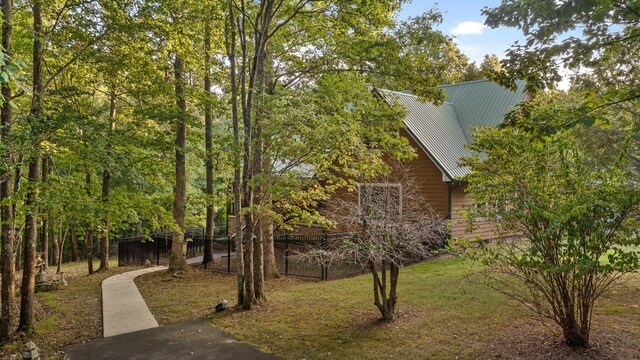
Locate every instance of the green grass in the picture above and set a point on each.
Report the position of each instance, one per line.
(445, 310)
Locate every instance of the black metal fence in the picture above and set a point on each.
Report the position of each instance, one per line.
(156, 247)
(286, 246)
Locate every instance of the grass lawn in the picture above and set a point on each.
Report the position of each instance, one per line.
(68, 315)
(445, 312)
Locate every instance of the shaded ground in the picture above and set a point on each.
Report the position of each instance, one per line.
(444, 312)
(67, 315)
(191, 340)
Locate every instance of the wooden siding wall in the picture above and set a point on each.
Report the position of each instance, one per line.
(426, 177)
(461, 202)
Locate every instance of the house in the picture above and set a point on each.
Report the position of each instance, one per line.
(439, 135)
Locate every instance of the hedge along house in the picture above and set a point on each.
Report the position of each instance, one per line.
(439, 135)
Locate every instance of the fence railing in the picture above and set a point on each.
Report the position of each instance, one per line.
(156, 248)
(287, 245)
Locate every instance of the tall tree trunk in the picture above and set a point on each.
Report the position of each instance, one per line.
(177, 260)
(104, 239)
(7, 230)
(44, 228)
(27, 289)
(266, 227)
(17, 235)
(88, 243)
(230, 38)
(88, 237)
(55, 241)
(106, 179)
(270, 267)
(259, 196)
(246, 94)
(74, 243)
(208, 123)
(61, 249)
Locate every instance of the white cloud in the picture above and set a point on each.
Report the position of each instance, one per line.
(468, 28)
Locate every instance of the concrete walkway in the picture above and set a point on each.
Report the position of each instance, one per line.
(123, 308)
(132, 333)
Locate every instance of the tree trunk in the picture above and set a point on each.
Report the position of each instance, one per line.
(257, 169)
(55, 241)
(177, 260)
(269, 255)
(385, 302)
(230, 39)
(106, 179)
(258, 263)
(27, 290)
(74, 243)
(7, 230)
(574, 336)
(88, 243)
(88, 237)
(208, 123)
(104, 239)
(17, 236)
(44, 228)
(249, 288)
(62, 238)
(270, 267)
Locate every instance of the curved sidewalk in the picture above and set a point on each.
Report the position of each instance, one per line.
(123, 308)
(131, 332)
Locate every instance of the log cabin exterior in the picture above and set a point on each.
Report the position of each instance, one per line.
(439, 134)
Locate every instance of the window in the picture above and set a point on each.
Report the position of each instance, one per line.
(380, 201)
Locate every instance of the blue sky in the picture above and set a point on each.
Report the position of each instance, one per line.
(463, 19)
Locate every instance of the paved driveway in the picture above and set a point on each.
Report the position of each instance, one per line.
(191, 340)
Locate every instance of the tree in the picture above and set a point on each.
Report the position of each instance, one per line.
(306, 43)
(27, 289)
(209, 167)
(490, 66)
(608, 28)
(391, 226)
(566, 214)
(7, 265)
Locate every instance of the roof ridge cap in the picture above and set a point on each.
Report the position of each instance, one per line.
(464, 82)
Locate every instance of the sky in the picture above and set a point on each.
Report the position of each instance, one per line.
(462, 19)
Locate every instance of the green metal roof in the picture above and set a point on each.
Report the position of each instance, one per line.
(443, 131)
(482, 103)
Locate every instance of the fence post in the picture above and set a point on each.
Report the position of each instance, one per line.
(156, 241)
(286, 254)
(228, 253)
(325, 268)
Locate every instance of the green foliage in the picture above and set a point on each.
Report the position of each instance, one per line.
(569, 216)
(597, 38)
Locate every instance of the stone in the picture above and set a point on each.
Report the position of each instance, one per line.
(63, 282)
(40, 278)
(30, 351)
